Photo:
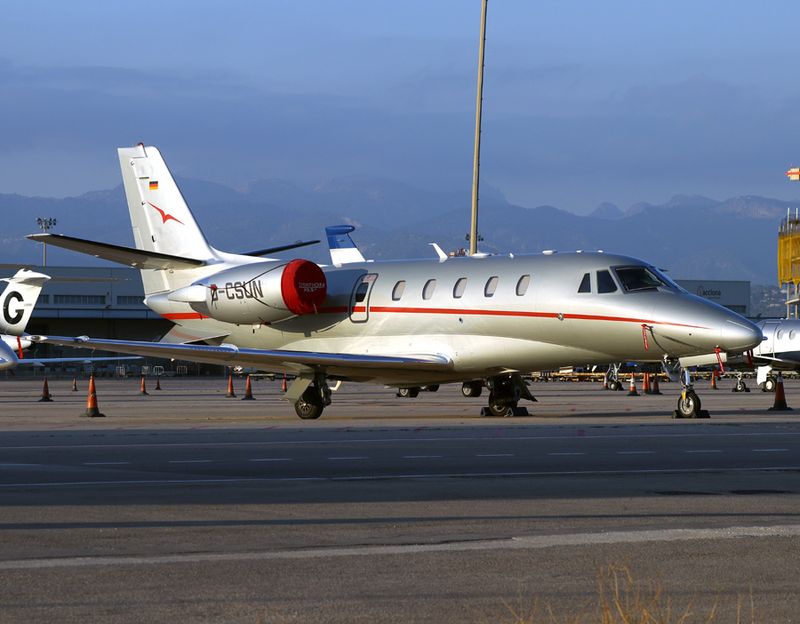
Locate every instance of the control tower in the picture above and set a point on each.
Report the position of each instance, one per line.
(789, 254)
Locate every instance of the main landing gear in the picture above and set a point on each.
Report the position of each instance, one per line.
(315, 396)
(689, 405)
(505, 391)
(612, 381)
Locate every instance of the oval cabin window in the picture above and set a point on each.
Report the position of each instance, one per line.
(397, 291)
(427, 291)
(522, 285)
(459, 288)
(491, 286)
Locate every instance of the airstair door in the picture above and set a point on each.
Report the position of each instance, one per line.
(359, 300)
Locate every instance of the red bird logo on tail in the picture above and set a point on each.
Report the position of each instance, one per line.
(165, 216)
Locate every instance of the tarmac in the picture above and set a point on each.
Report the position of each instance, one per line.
(185, 505)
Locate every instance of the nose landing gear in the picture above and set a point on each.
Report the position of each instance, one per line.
(689, 405)
(505, 391)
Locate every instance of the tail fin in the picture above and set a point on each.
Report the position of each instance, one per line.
(161, 220)
(18, 300)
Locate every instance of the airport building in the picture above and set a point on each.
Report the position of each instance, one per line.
(733, 294)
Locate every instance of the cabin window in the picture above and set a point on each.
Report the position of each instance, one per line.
(586, 284)
(491, 286)
(427, 291)
(779, 335)
(459, 288)
(791, 334)
(397, 291)
(361, 291)
(522, 285)
(605, 283)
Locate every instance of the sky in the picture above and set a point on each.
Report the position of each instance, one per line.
(585, 102)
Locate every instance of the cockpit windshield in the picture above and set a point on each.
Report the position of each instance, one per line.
(639, 278)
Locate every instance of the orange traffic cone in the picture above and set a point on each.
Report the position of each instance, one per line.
(605, 382)
(780, 397)
(646, 384)
(158, 382)
(283, 384)
(143, 388)
(632, 389)
(655, 389)
(92, 410)
(714, 380)
(248, 391)
(74, 384)
(46, 397)
(231, 394)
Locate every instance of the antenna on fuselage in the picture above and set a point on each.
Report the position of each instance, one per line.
(473, 230)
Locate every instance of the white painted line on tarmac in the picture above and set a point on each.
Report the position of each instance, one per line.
(189, 461)
(635, 452)
(533, 542)
(271, 459)
(398, 476)
(108, 463)
(770, 450)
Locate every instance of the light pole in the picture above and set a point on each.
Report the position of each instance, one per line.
(476, 161)
(45, 223)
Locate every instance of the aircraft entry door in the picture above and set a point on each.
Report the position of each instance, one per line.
(359, 300)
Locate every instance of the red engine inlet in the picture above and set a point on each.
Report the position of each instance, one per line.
(303, 287)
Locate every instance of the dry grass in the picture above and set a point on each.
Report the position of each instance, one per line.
(623, 600)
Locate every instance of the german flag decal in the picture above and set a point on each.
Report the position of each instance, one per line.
(153, 185)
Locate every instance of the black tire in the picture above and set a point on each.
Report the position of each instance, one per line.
(408, 393)
(741, 386)
(769, 384)
(614, 385)
(689, 406)
(472, 388)
(308, 406)
(499, 409)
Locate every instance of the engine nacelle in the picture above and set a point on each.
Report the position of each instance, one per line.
(264, 293)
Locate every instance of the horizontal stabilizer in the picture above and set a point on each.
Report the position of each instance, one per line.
(117, 253)
(343, 249)
(230, 355)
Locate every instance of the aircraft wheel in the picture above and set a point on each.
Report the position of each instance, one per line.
(408, 393)
(309, 406)
(769, 385)
(689, 406)
(472, 388)
(615, 385)
(741, 386)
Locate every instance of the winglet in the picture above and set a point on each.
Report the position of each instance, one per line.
(439, 252)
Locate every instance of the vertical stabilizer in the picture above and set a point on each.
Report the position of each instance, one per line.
(18, 300)
(161, 220)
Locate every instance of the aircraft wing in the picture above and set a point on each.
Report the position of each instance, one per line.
(229, 355)
(117, 253)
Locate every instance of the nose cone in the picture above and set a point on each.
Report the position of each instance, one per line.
(739, 334)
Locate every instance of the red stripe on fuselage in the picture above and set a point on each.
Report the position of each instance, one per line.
(464, 312)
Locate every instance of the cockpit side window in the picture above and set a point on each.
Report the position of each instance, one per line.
(586, 284)
(605, 283)
(639, 278)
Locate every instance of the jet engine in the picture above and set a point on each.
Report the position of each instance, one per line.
(263, 293)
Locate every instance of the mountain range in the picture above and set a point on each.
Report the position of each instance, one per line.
(692, 237)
